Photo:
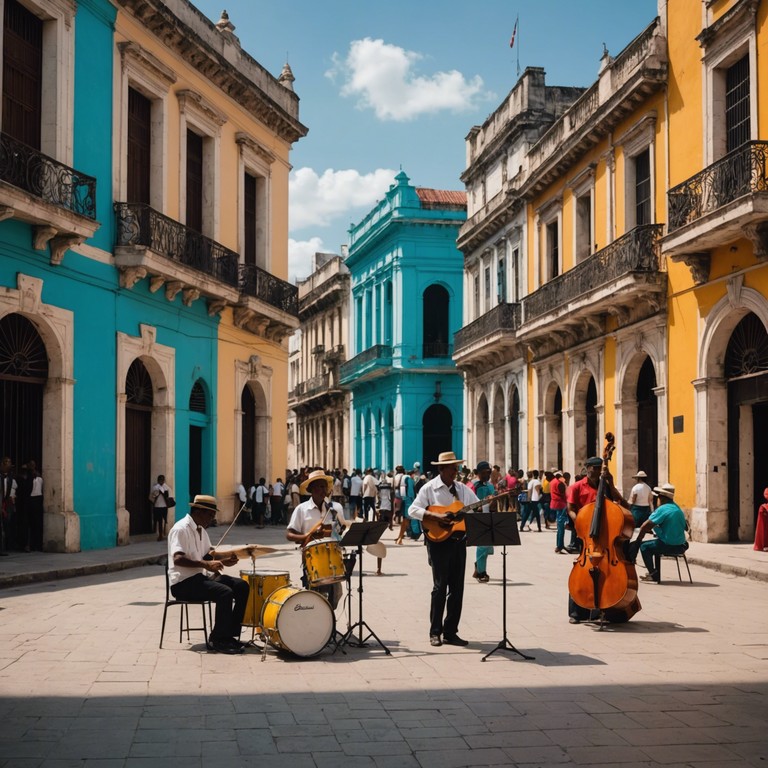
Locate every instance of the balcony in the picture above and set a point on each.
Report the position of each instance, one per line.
(622, 279)
(719, 205)
(319, 349)
(370, 364)
(334, 355)
(315, 394)
(182, 260)
(489, 336)
(57, 200)
(436, 350)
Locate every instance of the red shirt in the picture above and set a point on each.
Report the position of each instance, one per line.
(557, 489)
(581, 493)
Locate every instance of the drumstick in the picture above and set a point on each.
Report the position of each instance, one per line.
(230, 526)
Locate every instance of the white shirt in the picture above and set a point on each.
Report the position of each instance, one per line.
(190, 539)
(260, 494)
(307, 515)
(534, 489)
(641, 495)
(37, 486)
(356, 486)
(385, 495)
(158, 491)
(436, 493)
(277, 489)
(369, 486)
(241, 494)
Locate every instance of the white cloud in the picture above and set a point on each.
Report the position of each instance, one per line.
(383, 77)
(300, 253)
(317, 200)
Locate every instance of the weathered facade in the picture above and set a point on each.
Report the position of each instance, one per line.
(320, 407)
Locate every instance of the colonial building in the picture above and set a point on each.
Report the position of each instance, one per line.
(716, 246)
(644, 311)
(406, 305)
(320, 407)
(496, 271)
(581, 350)
(143, 251)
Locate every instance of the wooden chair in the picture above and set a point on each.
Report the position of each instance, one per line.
(677, 559)
(171, 601)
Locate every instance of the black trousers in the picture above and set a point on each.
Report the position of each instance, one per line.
(449, 560)
(229, 594)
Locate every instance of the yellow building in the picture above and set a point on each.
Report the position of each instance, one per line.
(716, 247)
(211, 144)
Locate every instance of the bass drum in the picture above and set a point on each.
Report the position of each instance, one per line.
(297, 620)
(262, 583)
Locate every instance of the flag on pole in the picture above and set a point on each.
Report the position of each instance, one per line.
(514, 34)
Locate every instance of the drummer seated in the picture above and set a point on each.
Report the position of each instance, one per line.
(195, 574)
(312, 519)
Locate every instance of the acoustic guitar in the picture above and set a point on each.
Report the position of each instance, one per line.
(453, 522)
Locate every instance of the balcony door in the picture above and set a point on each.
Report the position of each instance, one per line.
(194, 181)
(435, 317)
(437, 433)
(139, 147)
(22, 73)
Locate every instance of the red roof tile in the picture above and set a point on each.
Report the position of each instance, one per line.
(441, 197)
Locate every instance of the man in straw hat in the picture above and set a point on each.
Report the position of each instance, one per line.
(448, 558)
(305, 522)
(668, 523)
(189, 563)
(640, 499)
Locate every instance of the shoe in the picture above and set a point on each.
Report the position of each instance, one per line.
(476, 575)
(226, 646)
(435, 641)
(483, 578)
(559, 551)
(650, 576)
(239, 643)
(454, 640)
(573, 620)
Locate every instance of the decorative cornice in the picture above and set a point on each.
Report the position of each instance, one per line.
(247, 142)
(189, 98)
(132, 51)
(698, 263)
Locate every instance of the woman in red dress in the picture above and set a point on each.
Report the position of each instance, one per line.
(761, 529)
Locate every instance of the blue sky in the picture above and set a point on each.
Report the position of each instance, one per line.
(399, 84)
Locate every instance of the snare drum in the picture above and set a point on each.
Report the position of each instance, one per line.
(323, 562)
(297, 620)
(262, 584)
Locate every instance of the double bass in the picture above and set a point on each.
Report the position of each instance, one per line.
(603, 579)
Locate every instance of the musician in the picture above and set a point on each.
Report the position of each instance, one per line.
(448, 558)
(190, 561)
(581, 493)
(305, 522)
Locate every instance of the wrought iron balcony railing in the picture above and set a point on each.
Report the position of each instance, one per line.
(46, 178)
(257, 282)
(370, 355)
(637, 251)
(436, 349)
(138, 224)
(739, 173)
(503, 318)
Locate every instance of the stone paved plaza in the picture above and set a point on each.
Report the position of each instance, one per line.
(685, 683)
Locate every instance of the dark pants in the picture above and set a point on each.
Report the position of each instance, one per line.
(369, 505)
(651, 552)
(276, 505)
(449, 561)
(224, 591)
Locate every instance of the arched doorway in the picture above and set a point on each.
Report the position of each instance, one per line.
(647, 423)
(435, 314)
(497, 456)
(437, 432)
(254, 448)
(198, 423)
(746, 371)
(481, 430)
(138, 447)
(514, 430)
(553, 425)
(585, 420)
(23, 373)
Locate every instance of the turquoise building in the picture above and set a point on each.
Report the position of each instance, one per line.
(406, 277)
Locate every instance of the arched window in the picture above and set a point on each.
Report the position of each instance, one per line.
(138, 447)
(435, 313)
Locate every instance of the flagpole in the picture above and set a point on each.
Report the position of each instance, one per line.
(518, 48)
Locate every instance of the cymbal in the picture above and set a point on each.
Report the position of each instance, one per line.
(245, 551)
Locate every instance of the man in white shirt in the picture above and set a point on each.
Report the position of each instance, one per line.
(640, 499)
(191, 558)
(355, 493)
(534, 496)
(448, 558)
(159, 496)
(370, 489)
(276, 501)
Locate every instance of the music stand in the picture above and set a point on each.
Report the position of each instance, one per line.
(486, 529)
(360, 535)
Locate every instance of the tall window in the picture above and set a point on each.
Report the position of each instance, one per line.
(194, 181)
(643, 187)
(250, 219)
(737, 106)
(583, 227)
(435, 314)
(139, 147)
(22, 73)
(487, 292)
(516, 277)
(502, 280)
(553, 250)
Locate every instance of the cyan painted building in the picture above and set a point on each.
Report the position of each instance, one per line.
(406, 274)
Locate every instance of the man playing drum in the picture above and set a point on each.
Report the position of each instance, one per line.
(314, 519)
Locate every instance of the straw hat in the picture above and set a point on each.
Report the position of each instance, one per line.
(667, 490)
(448, 457)
(205, 502)
(379, 549)
(640, 475)
(318, 474)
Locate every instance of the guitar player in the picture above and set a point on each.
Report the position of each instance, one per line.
(448, 558)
